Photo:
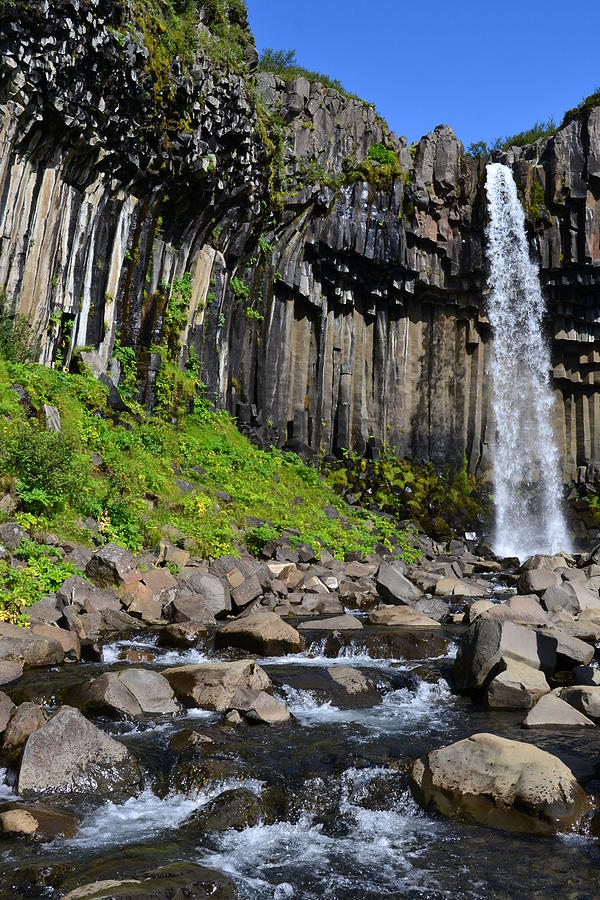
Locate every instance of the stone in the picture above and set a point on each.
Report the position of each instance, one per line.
(24, 720)
(401, 616)
(338, 623)
(161, 584)
(10, 671)
(433, 607)
(486, 645)
(585, 698)
(235, 809)
(586, 675)
(518, 687)
(32, 650)
(536, 581)
(216, 594)
(353, 682)
(456, 587)
(109, 566)
(264, 633)
(6, 708)
(169, 553)
(476, 609)
(573, 597)
(12, 535)
(501, 784)
(148, 610)
(181, 635)
(39, 821)
(192, 608)
(393, 586)
(523, 610)
(569, 649)
(250, 589)
(552, 712)
(176, 880)
(151, 690)
(68, 640)
(70, 755)
(260, 707)
(214, 685)
(129, 693)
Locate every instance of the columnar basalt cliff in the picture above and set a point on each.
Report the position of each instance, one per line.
(335, 301)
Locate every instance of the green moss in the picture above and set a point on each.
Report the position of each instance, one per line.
(536, 200)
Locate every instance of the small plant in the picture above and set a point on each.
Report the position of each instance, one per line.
(240, 289)
(385, 156)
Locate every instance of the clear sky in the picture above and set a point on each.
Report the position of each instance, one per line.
(486, 68)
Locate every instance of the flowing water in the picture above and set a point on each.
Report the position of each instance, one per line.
(527, 483)
(347, 826)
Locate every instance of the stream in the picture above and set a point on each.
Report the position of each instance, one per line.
(346, 825)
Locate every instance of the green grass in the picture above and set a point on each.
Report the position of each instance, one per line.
(135, 494)
(586, 105)
(284, 64)
(538, 130)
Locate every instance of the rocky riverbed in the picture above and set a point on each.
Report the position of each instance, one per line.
(289, 727)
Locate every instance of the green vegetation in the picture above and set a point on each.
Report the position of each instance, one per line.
(284, 64)
(240, 289)
(536, 200)
(442, 502)
(586, 105)
(539, 130)
(43, 573)
(16, 341)
(135, 493)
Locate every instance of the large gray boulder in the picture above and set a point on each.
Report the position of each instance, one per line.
(33, 650)
(70, 755)
(569, 596)
(585, 698)
(570, 650)
(500, 783)
(394, 587)
(487, 645)
(110, 566)
(535, 581)
(214, 590)
(264, 633)
(131, 693)
(214, 685)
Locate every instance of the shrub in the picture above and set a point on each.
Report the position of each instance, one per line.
(43, 573)
(284, 64)
(16, 340)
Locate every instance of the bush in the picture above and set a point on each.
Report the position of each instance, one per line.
(284, 64)
(43, 573)
(539, 130)
(16, 340)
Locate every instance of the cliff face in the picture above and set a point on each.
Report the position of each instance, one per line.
(332, 302)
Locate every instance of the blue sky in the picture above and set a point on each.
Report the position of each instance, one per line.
(485, 68)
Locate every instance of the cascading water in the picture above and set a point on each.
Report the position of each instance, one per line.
(528, 487)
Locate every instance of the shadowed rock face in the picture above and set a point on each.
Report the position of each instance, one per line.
(374, 321)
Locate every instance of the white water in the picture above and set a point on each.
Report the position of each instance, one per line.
(527, 483)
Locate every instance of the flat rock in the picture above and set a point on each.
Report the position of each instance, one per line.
(37, 821)
(70, 755)
(521, 609)
(552, 712)
(401, 616)
(502, 784)
(338, 623)
(214, 685)
(264, 633)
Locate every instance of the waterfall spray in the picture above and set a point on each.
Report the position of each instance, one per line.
(528, 487)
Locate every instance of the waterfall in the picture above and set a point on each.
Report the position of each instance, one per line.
(528, 487)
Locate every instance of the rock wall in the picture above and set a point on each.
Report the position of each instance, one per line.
(330, 307)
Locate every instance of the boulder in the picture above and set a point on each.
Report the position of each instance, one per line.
(235, 809)
(40, 822)
(569, 596)
(10, 670)
(536, 581)
(456, 587)
(552, 712)
(6, 709)
(181, 635)
(216, 593)
(78, 592)
(476, 609)
(521, 609)
(12, 535)
(109, 566)
(264, 633)
(433, 607)
(401, 616)
(24, 720)
(570, 650)
(518, 687)
(584, 698)
(500, 783)
(393, 586)
(486, 645)
(33, 650)
(260, 707)
(129, 693)
(191, 608)
(70, 755)
(358, 686)
(214, 685)
(338, 623)
(249, 589)
(67, 639)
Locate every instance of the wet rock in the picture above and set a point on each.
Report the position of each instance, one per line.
(214, 685)
(70, 755)
(109, 566)
(518, 687)
(33, 650)
(236, 809)
(486, 645)
(500, 783)
(264, 633)
(24, 720)
(260, 707)
(177, 880)
(584, 698)
(401, 616)
(394, 587)
(37, 821)
(129, 693)
(6, 709)
(338, 623)
(182, 635)
(552, 712)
